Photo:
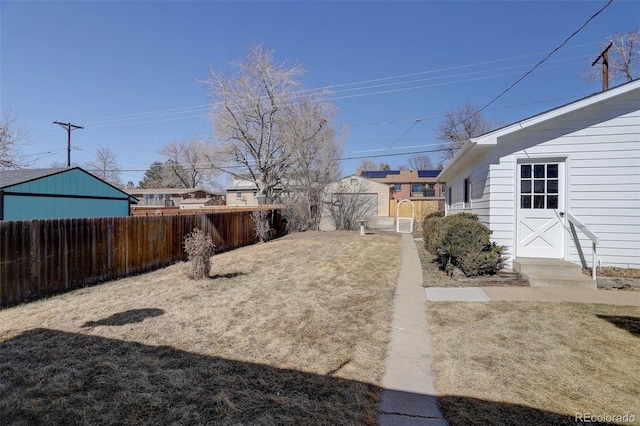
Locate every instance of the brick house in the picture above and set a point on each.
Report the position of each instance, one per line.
(408, 184)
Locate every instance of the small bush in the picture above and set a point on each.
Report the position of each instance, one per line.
(199, 247)
(465, 243)
(296, 216)
(461, 241)
(438, 213)
(262, 223)
(432, 227)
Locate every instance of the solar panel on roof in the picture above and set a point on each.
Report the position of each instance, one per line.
(378, 174)
(428, 173)
(374, 174)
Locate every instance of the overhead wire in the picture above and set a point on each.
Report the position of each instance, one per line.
(205, 107)
(545, 58)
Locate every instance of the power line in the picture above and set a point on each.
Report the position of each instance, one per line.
(335, 98)
(204, 107)
(545, 58)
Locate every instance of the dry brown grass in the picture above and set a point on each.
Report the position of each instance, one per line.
(508, 363)
(293, 331)
(612, 271)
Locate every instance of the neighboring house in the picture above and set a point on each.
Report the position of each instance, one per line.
(171, 197)
(197, 203)
(374, 197)
(242, 192)
(545, 184)
(408, 184)
(59, 193)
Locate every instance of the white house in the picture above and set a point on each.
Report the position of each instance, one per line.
(557, 184)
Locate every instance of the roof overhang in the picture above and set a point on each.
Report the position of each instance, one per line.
(474, 148)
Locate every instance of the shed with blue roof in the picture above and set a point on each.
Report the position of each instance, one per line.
(59, 193)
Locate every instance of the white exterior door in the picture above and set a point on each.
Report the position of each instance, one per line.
(540, 212)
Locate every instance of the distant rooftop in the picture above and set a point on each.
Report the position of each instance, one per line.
(167, 191)
(399, 176)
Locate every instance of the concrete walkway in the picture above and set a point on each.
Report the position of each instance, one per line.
(409, 395)
(533, 294)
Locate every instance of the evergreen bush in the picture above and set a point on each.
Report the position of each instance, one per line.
(461, 241)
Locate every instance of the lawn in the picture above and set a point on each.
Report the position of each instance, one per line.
(512, 363)
(293, 331)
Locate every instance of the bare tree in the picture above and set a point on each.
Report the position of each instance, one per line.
(189, 164)
(418, 162)
(105, 166)
(315, 165)
(460, 125)
(345, 204)
(624, 58)
(367, 165)
(263, 118)
(12, 137)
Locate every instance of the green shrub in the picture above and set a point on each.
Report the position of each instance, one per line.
(462, 241)
(432, 227)
(438, 213)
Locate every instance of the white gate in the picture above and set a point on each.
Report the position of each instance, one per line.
(404, 225)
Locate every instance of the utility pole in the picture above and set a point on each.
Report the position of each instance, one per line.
(69, 128)
(605, 66)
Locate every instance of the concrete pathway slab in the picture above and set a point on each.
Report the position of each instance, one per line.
(582, 295)
(533, 294)
(409, 395)
(399, 420)
(457, 294)
(517, 294)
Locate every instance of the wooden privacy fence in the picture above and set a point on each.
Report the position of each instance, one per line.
(44, 257)
(423, 208)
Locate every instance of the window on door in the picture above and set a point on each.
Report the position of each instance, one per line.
(539, 186)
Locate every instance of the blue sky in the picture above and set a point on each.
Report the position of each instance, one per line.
(129, 71)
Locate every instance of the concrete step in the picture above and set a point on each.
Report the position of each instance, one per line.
(526, 264)
(553, 273)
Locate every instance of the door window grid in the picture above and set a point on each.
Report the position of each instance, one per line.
(539, 186)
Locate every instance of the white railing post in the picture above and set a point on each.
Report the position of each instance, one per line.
(593, 260)
(593, 237)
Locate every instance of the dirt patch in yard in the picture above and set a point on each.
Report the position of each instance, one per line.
(613, 278)
(293, 331)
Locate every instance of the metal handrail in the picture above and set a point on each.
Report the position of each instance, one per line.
(592, 236)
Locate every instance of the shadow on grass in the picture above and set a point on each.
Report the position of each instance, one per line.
(227, 275)
(471, 411)
(127, 317)
(59, 378)
(54, 377)
(631, 324)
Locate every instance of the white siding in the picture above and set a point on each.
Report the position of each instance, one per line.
(601, 144)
